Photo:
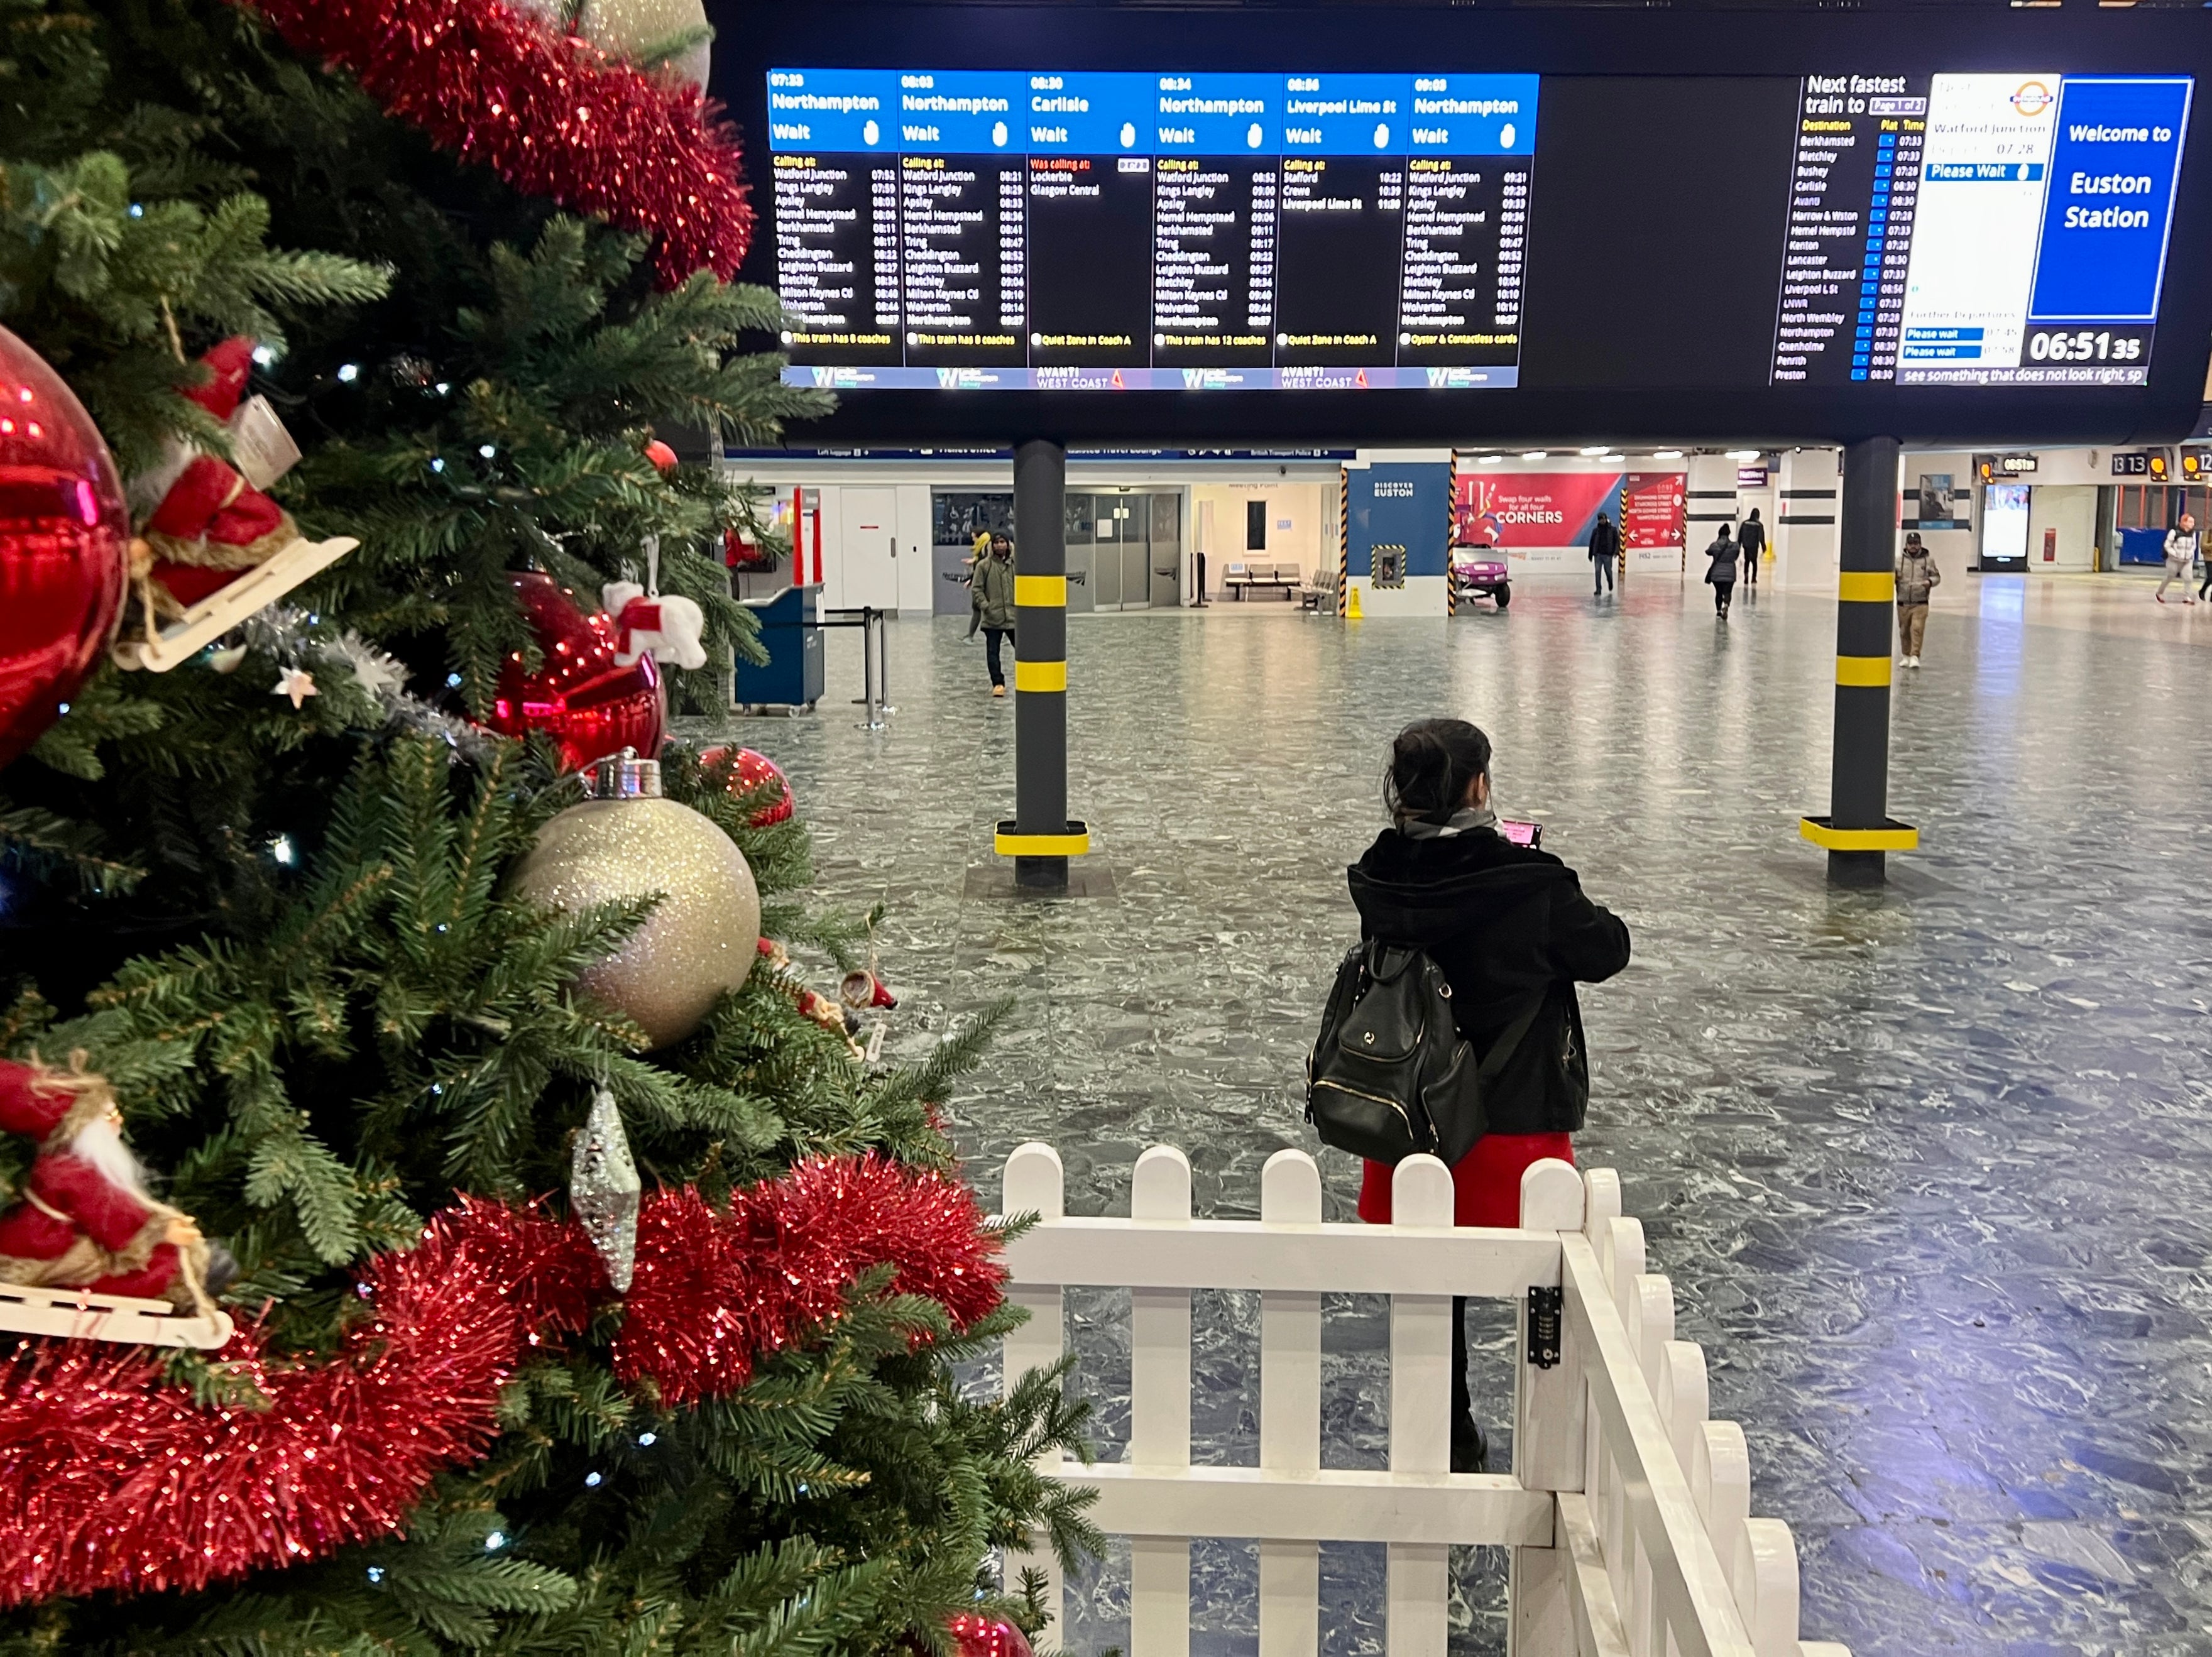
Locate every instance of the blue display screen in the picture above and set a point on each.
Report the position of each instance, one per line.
(1114, 231)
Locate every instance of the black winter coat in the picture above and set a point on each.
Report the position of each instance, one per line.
(1506, 922)
(1605, 541)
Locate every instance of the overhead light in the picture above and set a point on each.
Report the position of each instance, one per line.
(1666, 454)
(1596, 448)
(1743, 454)
(1492, 459)
(1534, 454)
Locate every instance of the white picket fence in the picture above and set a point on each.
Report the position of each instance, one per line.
(1628, 1511)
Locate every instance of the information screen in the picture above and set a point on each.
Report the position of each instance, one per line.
(1450, 224)
(1081, 231)
(1978, 229)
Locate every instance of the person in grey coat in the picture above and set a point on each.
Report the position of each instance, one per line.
(994, 605)
(1720, 574)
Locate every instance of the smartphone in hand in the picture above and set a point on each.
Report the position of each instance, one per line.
(1521, 833)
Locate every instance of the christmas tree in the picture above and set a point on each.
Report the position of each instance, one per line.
(270, 902)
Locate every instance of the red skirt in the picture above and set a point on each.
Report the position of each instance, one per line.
(1487, 1184)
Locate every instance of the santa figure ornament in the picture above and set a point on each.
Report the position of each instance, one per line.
(87, 1219)
(213, 549)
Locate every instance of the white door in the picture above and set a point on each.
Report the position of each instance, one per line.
(917, 579)
(867, 534)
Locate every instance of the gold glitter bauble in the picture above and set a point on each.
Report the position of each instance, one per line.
(675, 31)
(701, 939)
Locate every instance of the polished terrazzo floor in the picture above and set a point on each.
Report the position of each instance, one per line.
(1931, 1170)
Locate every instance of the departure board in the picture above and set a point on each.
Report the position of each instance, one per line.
(1978, 229)
(1117, 231)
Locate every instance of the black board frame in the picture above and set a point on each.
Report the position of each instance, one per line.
(1583, 42)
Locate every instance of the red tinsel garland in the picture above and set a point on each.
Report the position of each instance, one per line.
(713, 1289)
(112, 1479)
(551, 114)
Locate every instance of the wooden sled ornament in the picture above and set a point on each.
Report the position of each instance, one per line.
(217, 614)
(83, 1314)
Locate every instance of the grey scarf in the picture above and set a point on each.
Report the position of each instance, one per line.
(1474, 816)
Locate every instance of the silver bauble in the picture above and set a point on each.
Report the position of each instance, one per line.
(700, 941)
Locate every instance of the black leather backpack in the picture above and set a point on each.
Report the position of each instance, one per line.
(1391, 1076)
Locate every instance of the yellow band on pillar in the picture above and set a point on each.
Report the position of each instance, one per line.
(1866, 586)
(1893, 837)
(1075, 843)
(1041, 591)
(1040, 676)
(1863, 669)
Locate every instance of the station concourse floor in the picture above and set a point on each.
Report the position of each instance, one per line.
(1930, 1169)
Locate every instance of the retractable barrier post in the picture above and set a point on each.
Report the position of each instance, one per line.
(883, 664)
(875, 715)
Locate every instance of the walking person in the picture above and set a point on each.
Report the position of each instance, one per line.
(1513, 934)
(2183, 546)
(976, 555)
(1721, 572)
(1604, 551)
(994, 605)
(1751, 542)
(1917, 578)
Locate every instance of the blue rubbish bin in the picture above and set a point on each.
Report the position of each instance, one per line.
(791, 632)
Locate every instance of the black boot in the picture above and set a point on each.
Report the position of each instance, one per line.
(1469, 1454)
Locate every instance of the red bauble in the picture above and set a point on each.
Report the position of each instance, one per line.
(64, 545)
(590, 705)
(749, 771)
(663, 457)
(979, 1636)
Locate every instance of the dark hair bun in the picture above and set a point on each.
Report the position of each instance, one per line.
(1433, 762)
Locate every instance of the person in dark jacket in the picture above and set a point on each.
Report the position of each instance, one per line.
(1720, 572)
(1510, 929)
(1751, 542)
(1604, 551)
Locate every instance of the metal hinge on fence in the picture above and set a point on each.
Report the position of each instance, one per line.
(1544, 1306)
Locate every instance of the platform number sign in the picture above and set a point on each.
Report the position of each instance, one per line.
(2150, 464)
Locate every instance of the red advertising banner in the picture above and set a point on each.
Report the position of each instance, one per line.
(1651, 509)
(1532, 509)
